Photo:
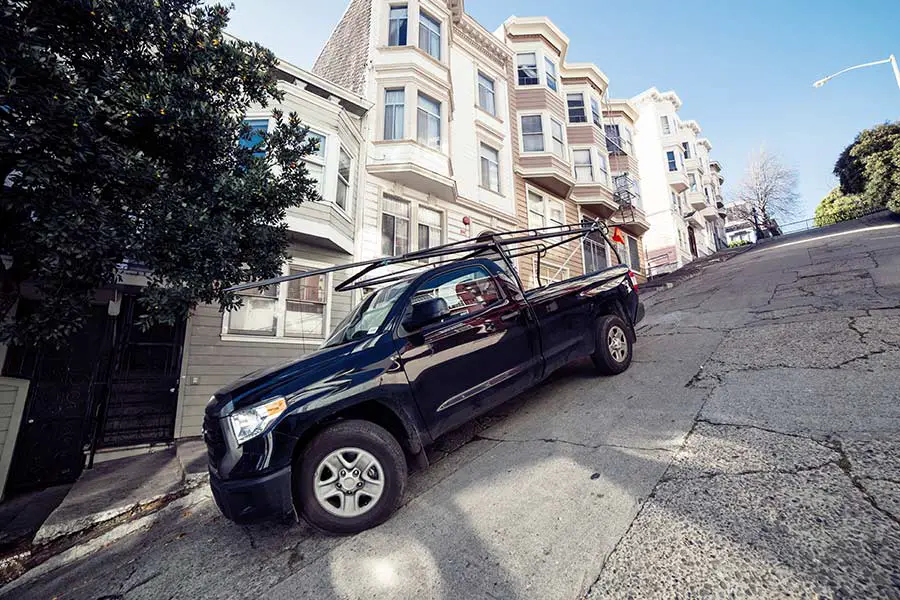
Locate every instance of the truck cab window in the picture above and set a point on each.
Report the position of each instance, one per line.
(459, 292)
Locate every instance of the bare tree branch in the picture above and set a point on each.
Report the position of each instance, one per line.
(768, 186)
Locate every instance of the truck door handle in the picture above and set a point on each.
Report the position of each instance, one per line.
(512, 316)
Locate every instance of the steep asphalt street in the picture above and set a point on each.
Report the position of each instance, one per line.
(752, 449)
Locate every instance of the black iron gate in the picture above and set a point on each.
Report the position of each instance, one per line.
(112, 385)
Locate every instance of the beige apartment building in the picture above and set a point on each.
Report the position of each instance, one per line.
(563, 168)
(440, 140)
(680, 191)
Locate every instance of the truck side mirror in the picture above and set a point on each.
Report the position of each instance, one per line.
(425, 313)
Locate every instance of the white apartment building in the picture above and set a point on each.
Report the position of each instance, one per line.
(439, 164)
(676, 180)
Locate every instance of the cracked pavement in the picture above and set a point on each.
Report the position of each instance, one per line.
(752, 450)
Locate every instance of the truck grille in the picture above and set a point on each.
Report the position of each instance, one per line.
(215, 441)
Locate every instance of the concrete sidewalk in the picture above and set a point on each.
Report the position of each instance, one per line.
(104, 496)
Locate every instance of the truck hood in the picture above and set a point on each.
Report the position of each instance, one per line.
(286, 377)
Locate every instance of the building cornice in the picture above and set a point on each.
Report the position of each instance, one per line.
(538, 26)
(624, 106)
(589, 71)
(693, 126)
(470, 31)
(705, 142)
(655, 95)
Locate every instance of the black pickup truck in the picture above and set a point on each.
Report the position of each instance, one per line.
(330, 435)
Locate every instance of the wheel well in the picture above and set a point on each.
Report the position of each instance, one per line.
(371, 410)
(614, 307)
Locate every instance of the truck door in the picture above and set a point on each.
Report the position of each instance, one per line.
(465, 346)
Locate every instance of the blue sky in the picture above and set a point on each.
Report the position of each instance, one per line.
(744, 70)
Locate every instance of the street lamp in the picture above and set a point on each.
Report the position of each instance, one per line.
(889, 59)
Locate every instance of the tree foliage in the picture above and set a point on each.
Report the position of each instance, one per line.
(836, 207)
(873, 166)
(769, 187)
(121, 143)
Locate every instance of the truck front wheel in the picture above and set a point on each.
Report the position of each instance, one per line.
(612, 353)
(351, 477)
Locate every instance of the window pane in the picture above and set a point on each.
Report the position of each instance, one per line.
(532, 134)
(397, 26)
(633, 254)
(387, 234)
(465, 291)
(302, 319)
(595, 112)
(429, 35)
(583, 168)
(320, 143)
(486, 94)
(576, 108)
(317, 174)
(490, 168)
(670, 158)
(664, 120)
(393, 114)
(343, 179)
(556, 131)
(258, 128)
(550, 70)
(528, 74)
(429, 122)
(255, 317)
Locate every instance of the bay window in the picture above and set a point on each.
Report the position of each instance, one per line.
(397, 23)
(550, 73)
(394, 101)
(430, 35)
(575, 104)
(532, 133)
(527, 68)
(429, 122)
(343, 184)
(315, 161)
(595, 113)
(556, 133)
(584, 169)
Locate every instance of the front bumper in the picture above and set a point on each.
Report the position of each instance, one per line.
(254, 499)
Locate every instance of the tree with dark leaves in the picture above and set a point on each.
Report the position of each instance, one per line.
(122, 142)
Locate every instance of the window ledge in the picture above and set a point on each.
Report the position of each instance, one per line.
(486, 113)
(236, 337)
(438, 62)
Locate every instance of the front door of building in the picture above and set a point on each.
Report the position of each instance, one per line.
(111, 385)
(692, 241)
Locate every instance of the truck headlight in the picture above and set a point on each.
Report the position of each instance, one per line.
(248, 423)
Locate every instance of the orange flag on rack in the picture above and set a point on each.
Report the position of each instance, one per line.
(617, 236)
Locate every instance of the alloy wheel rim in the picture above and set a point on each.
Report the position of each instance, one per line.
(348, 482)
(618, 345)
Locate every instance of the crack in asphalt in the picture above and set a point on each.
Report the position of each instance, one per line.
(824, 442)
(794, 471)
(570, 443)
(847, 467)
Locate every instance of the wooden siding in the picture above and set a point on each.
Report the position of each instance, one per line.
(215, 362)
(12, 405)
(539, 98)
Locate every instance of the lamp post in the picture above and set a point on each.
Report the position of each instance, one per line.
(889, 59)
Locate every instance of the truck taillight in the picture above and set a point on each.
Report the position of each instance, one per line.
(633, 277)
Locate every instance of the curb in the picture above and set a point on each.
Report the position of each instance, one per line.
(67, 539)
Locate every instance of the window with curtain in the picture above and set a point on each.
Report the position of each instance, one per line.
(397, 22)
(429, 228)
(343, 186)
(429, 122)
(394, 226)
(527, 68)
(584, 170)
(532, 133)
(556, 133)
(575, 104)
(394, 113)
(486, 96)
(256, 316)
(490, 168)
(430, 35)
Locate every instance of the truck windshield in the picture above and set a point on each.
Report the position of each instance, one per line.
(368, 316)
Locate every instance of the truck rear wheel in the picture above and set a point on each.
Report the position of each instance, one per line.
(351, 477)
(612, 354)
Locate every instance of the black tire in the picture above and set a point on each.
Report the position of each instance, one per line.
(366, 436)
(604, 358)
